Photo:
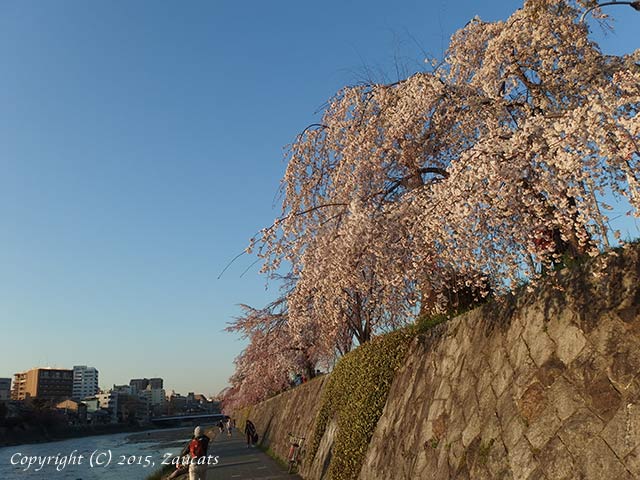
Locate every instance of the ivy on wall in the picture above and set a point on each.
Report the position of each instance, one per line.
(355, 396)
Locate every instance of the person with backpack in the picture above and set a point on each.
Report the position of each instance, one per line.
(198, 455)
(252, 435)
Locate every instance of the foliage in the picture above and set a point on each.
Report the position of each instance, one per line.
(355, 395)
(427, 322)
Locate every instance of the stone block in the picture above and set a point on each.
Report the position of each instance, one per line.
(519, 354)
(507, 411)
(543, 428)
(456, 424)
(532, 402)
(588, 375)
(456, 455)
(502, 379)
(513, 433)
(550, 371)
(534, 334)
(490, 426)
(436, 409)
(487, 402)
(521, 460)
(622, 433)
(632, 462)
(569, 340)
(443, 390)
(617, 340)
(537, 474)
(472, 430)
(579, 429)
(599, 461)
(443, 456)
(524, 377)
(564, 398)
(625, 363)
(485, 377)
(498, 462)
(558, 463)
(497, 354)
(463, 337)
(515, 330)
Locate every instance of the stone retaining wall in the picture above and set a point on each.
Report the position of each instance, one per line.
(292, 411)
(544, 387)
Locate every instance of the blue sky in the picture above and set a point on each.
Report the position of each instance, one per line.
(141, 147)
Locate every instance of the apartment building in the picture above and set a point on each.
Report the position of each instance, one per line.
(49, 384)
(85, 382)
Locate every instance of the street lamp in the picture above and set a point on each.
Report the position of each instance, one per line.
(635, 5)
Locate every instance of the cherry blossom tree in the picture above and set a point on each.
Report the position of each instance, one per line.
(484, 169)
(468, 178)
(273, 355)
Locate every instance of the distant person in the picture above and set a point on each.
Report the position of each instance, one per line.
(198, 450)
(228, 425)
(252, 435)
(220, 426)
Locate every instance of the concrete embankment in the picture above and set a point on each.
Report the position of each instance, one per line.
(545, 385)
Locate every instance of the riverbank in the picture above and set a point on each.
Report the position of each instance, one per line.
(41, 434)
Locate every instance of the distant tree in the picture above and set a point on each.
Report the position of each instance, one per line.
(130, 410)
(273, 355)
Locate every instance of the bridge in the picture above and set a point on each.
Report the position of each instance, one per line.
(187, 419)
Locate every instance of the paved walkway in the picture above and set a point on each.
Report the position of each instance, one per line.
(238, 462)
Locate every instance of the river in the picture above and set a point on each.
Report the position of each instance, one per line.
(122, 456)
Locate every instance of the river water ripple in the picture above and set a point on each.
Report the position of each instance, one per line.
(122, 456)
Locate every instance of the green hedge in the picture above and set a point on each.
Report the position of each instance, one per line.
(355, 395)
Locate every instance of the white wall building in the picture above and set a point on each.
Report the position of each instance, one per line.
(85, 382)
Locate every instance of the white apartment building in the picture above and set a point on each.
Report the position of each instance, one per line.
(85, 382)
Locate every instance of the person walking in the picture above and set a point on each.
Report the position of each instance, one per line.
(250, 431)
(228, 425)
(198, 455)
